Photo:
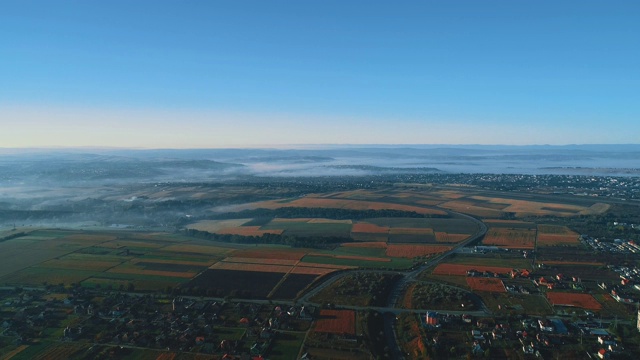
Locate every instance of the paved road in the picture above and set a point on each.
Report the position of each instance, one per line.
(391, 309)
(400, 286)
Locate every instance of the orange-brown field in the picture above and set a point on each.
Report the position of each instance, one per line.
(472, 208)
(512, 238)
(534, 208)
(486, 284)
(549, 235)
(449, 238)
(461, 269)
(319, 202)
(248, 231)
(555, 230)
(550, 240)
(369, 228)
(411, 251)
(584, 301)
(336, 322)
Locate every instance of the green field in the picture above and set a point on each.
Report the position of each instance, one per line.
(286, 346)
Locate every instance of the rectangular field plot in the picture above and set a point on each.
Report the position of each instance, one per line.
(270, 253)
(286, 346)
(444, 237)
(39, 275)
(486, 284)
(473, 208)
(335, 262)
(584, 301)
(411, 251)
(363, 227)
(336, 322)
(245, 284)
(265, 261)
(550, 235)
(198, 249)
(411, 235)
(223, 265)
(76, 264)
(292, 285)
(311, 228)
(368, 237)
(165, 266)
(217, 225)
(512, 224)
(510, 238)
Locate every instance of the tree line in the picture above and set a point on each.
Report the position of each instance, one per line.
(291, 212)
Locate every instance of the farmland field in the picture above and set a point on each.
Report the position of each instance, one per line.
(310, 228)
(336, 322)
(550, 235)
(292, 285)
(411, 251)
(243, 284)
(486, 284)
(510, 238)
(286, 346)
(584, 301)
(320, 202)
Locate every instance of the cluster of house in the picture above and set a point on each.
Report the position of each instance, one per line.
(121, 319)
(532, 334)
(476, 273)
(618, 246)
(559, 281)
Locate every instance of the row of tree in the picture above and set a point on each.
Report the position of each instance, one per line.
(321, 242)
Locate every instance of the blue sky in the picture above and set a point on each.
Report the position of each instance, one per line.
(272, 73)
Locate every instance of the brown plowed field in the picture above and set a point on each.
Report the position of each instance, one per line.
(486, 284)
(584, 301)
(369, 228)
(512, 238)
(336, 322)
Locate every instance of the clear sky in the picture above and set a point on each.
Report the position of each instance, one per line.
(198, 74)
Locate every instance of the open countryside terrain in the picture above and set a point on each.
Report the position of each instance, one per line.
(361, 243)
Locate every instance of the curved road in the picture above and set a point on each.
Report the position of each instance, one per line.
(391, 310)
